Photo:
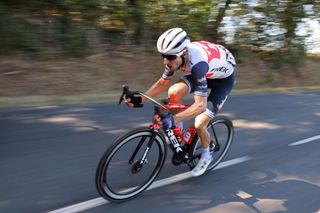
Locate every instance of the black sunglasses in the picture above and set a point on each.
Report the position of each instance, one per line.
(169, 57)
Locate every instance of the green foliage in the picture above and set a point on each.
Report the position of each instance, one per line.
(25, 32)
(72, 38)
(270, 77)
(16, 33)
(294, 55)
(67, 26)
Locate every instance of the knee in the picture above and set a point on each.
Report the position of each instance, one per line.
(174, 93)
(201, 122)
(200, 126)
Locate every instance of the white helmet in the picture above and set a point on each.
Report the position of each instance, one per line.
(173, 42)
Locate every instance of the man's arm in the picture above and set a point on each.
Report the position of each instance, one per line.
(199, 106)
(157, 88)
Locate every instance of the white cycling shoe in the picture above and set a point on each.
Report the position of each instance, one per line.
(201, 167)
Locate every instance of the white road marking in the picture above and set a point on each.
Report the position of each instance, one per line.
(307, 140)
(177, 178)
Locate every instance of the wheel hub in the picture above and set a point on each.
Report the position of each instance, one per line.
(137, 166)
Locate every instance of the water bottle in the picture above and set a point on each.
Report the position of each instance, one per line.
(177, 131)
(189, 134)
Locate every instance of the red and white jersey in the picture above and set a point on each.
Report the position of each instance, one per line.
(220, 61)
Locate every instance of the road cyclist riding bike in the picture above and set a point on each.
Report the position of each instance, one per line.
(206, 66)
(133, 162)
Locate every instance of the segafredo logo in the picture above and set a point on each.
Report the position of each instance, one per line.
(173, 140)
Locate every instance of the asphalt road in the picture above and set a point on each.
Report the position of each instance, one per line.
(48, 158)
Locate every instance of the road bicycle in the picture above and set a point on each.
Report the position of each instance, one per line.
(135, 159)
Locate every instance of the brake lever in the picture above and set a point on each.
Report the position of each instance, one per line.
(125, 90)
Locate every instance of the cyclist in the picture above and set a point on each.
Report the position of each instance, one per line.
(206, 66)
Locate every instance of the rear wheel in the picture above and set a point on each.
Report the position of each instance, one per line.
(120, 174)
(221, 133)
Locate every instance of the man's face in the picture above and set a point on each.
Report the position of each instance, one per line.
(171, 62)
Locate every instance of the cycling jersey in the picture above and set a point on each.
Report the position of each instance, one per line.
(206, 61)
(209, 66)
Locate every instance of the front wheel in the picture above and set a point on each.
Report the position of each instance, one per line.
(120, 174)
(221, 133)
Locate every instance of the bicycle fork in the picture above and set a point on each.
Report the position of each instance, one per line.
(138, 165)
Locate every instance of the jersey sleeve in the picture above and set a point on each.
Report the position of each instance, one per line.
(198, 73)
(167, 74)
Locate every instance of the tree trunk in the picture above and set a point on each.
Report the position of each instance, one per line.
(135, 24)
(212, 29)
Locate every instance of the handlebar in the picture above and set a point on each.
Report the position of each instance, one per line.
(126, 91)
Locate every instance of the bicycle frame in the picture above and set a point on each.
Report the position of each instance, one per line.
(175, 145)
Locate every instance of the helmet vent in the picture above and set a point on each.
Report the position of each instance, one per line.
(180, 42)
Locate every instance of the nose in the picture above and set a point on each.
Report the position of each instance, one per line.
(166, 61)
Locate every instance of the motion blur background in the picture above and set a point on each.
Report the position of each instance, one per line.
(74, 47)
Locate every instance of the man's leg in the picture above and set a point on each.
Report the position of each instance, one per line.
(175, 93)
(201, 123)
(220, 90)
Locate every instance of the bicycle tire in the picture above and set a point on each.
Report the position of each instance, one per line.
(219, 155)
(102, 181)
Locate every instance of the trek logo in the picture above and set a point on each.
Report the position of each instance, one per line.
(173, 140)
(220, 69)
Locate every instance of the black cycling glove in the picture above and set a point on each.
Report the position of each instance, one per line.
(135, 100)
(167, 120)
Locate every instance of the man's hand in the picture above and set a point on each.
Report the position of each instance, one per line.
(133, 101)
(166, 120)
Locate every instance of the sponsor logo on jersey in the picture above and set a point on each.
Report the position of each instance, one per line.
(201, 80)
(220, 69)
(203, 87)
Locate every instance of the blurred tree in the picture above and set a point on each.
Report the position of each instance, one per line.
(215, 22)
(68, 26)
(135, 22)
(272, 26)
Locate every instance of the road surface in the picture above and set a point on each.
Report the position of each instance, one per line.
(48, 158)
